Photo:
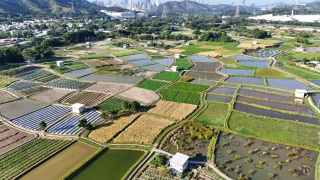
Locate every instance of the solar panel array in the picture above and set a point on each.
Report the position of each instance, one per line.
(69, 125)
(49, 115)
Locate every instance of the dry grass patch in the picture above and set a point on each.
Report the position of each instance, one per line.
(143, 96)
(177, 111)
(108, 88)
(50, 95)
(144, 130)
(107, 132)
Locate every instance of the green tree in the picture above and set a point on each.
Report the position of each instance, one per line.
(42, 125)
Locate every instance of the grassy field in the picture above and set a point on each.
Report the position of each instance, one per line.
(269, 72)
(277, 131)
(183, 92)
(21, 159)
(152, 85)
(189, 87)
(180, 96)
(110, 164)
(214, 115)
(112, 105)
(287, 65)
(167, 76)
(58, 166)
(67, 66)
(223, 48)
(183, 64)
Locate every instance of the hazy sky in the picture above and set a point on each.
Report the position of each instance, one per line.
(259, 2)
(248, 2)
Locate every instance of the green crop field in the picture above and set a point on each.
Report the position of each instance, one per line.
(224, 48)
(183, 64)
(183, 92)
(110, 164)
(180, 96)
(167, 76)
(152, 85)
(189, 87)
(214, 115)
(62, 163)
(112, 105)
(19, 160)
(277, 131)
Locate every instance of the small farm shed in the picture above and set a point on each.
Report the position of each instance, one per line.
(60, 63)
(300, 93)
(78, 108)
(179, 162)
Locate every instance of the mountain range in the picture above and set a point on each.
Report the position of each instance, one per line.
(191, 7)
(47, 7)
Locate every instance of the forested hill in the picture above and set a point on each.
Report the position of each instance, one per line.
(47, 7)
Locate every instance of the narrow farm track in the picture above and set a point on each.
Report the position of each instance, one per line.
(166, 133)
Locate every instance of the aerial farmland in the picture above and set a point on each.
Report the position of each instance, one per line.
(226, 104)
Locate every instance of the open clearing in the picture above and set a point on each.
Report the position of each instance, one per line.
(143, 96)
(144, 130)
(61, 164)
(50, 95)
(108, 88)
(111, 163)
(177, 111)
(106, 132)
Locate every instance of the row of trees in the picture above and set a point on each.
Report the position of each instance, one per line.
(220, 36)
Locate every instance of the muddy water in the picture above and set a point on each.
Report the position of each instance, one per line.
(258, 160)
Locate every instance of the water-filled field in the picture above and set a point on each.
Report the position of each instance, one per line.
(198, 58)
(287, 84)
(110, 164)
(246, 80)
(238, 72)
(275, 114)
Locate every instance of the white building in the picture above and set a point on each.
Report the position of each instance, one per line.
(60, 63)
(300, 94)
(179, 162)
(287, 18)
(78, 108)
